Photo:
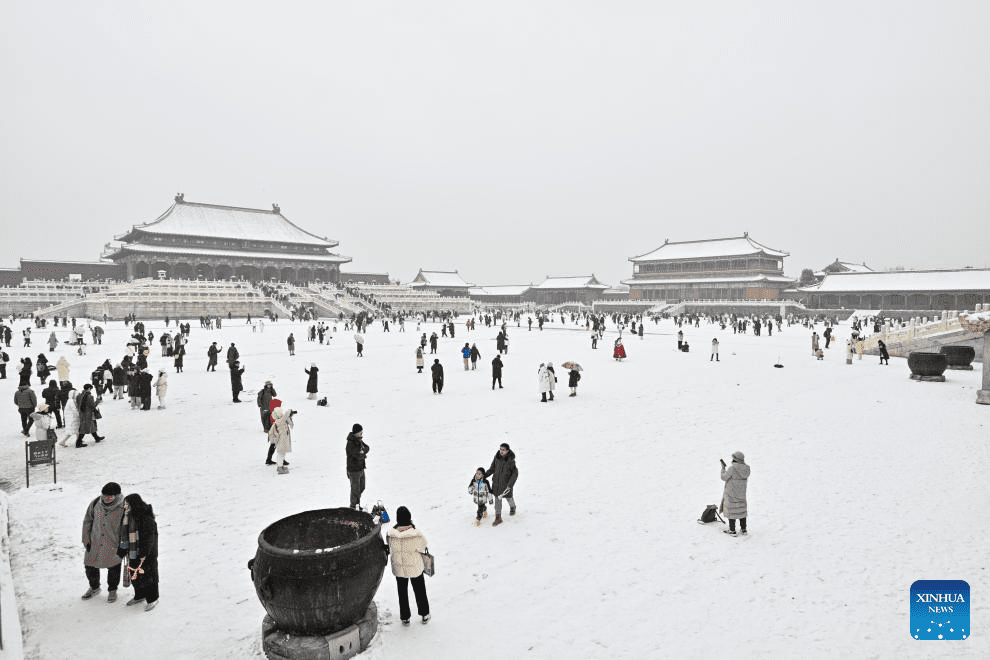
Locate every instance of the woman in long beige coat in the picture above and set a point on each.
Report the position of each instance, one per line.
(733, 506)
(280, 435)
(406, 546)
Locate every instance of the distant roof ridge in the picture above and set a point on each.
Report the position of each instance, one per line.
(909, 270)
(745, 236)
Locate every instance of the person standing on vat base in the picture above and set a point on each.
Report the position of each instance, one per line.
(101, 538)
(356, 452)
(406, 546)
(733, 504)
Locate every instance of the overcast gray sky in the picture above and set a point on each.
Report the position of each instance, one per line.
(507, 140)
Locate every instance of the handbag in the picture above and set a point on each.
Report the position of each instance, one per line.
(97, 414)
(428, 563)
(52, 435)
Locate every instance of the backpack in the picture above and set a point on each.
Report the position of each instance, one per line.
(710, 514)
(323, 402)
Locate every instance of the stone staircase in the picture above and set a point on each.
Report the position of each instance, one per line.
(918, 335)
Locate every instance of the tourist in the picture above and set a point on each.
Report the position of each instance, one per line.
(26, 400)
(504, 474)
(733, 504)
(497, 371)
(140, 546)
(264, 404)
(714, 350)
(356, 451)
(24, 373)
(884, 355)
(42, 419)
(406, 546)
(573, 376)
(419, 359)
(466, 354)
(291, 342)
(213, 353)
(4, 359)
(161, 387)
(280, 436)
(481, 491)
(52, 396)
(359, 340)
(236, 385)
(500, 341)
(437, 370)
(52, 342)
(144, 387)
(119, 381)
(619, 351)
(312, 387)
(101, 538)
(814, 344)
(232, 355)
(433, 343)
(594, 339)
(88, 412)
(71, 415)
(475, 354)
(680, 340)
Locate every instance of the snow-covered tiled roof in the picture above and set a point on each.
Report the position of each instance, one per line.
(711, 280)
(207, 252)
(577, 282)
(439, 278)
(194, 219)
(499, 290)
(966, 279)
(712, 247)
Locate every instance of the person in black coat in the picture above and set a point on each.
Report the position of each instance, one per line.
(312, 387)
(573, 376)
(232, 355)
(144, 387)
(25, 372)
(52, 396)
(356, 451)
(236, 387)
(884, 355)
(437, 370)
(504, 474)
(139, 543)
(119, 381)
(213, 351)
(497, 371)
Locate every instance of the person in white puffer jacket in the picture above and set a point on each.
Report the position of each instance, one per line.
(406, 546)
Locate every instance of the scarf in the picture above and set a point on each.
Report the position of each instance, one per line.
(129, 537)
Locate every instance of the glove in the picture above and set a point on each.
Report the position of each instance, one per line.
(491, 499)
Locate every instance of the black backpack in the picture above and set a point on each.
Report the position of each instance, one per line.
(710, 514)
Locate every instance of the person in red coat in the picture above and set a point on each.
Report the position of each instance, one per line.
(620, 350)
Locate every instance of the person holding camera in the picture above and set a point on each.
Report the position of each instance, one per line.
(733, 504)
(280, 436)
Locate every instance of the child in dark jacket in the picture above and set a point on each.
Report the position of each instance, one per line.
(481, 491)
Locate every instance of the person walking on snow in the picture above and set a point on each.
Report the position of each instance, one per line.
(504, 474)
(497, 371)
(481, 491)
(545, 379)
(475, 354)
(733, 504)
(466, 354)
(140, 545)
(419, 359)
(714, 350)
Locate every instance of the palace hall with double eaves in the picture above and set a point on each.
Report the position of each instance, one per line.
(736, 268)
(209, 241)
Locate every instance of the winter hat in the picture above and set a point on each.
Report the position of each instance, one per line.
(42, 407)
(357, 428)
(402, 517)
(312, 365)
(738, 455)
(480, 469)
(112, 488)
(505, 444)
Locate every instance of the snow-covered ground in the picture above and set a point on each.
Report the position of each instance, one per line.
(863, 481)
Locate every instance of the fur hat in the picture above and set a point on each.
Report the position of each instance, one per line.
(42, 407)
(738, 455)
(112, 488)
(402, 517)
(357, 428)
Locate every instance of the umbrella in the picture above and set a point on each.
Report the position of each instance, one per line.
(358, 337)
(572, 365)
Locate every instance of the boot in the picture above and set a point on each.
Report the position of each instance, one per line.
(544, 399)
(80, 443)
(497, 521)
(551, 396)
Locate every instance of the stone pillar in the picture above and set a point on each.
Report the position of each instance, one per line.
(983, 395)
